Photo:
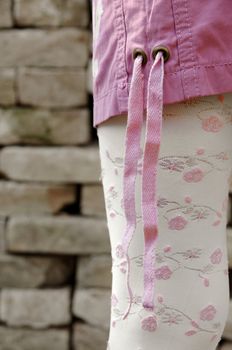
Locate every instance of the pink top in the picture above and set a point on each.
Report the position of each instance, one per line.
(200, 64)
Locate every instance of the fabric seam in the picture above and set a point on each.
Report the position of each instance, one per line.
(193, 53)
(120, 31)
(184, 40)
(166, 73)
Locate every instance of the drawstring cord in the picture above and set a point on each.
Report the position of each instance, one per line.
(149, 169)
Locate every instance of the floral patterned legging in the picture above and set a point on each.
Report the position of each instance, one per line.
(194, 170)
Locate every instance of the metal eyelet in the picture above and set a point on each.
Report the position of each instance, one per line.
(138, 51)
(164, 49)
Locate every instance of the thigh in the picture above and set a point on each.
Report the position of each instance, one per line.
(193, 180)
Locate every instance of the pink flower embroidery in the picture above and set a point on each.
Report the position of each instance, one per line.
(194, 175)
(167, 248)
(212, 124)
(160, 298)
(188, 199)
(208, 313)
(216, 256)
(119, 251)
(194, 324)
(112, 214)
(191, 332)
(112, 192)
(206, 282)
(149, 323)
(114, 300)
(163, 273)
(122, 266)
(177, 223)
(200, 151)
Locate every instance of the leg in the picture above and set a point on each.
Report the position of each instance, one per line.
(195, 164)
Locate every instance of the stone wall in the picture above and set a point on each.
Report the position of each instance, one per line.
(55, 263)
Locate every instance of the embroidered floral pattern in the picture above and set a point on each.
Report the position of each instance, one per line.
(215, 117)
(114, 300)
(194, 175)
(187, 217)
(212, 124)
(187, 212)
(208, 313)
(177, 223)
(176, 260)
(216, 256)
(149, 323)
(194, 168)
(200, 164)
(172, 317)
(163, 273)
(120, 251)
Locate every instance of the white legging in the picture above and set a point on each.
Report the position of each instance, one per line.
(192, 283)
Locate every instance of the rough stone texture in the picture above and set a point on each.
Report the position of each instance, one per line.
(61, 235)
(5, 14)
(54, 164)
(33, 271)
(51, 13)
(93, 306)
(41, 126)
(86, 337)
(94, 271)
(61, 87)
(29, 339)
(227, 334)
(39, 308)
(26, 198)
(93, 200)
(66, 47)
(226, 346)
(2, 234)
(7, 91)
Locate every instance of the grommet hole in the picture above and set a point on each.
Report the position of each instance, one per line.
(138, 51)
(164, 49)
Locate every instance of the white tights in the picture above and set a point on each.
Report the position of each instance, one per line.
(192, 284)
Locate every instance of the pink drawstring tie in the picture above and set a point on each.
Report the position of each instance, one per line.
(149, 169)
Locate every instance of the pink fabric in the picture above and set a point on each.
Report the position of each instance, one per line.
(149, 170)
(199, 42)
